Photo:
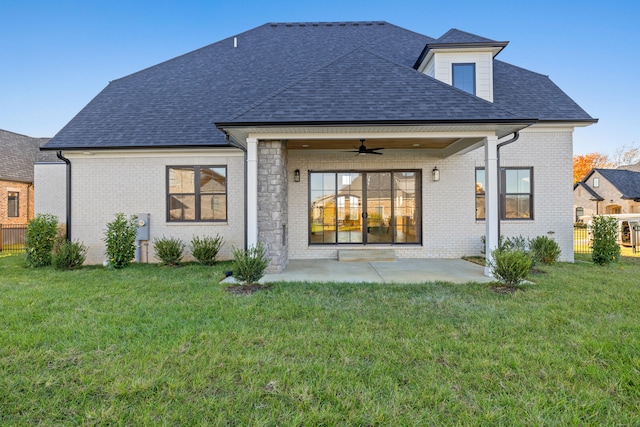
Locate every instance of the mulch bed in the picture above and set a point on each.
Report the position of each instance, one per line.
(246, 288)
(502, 289)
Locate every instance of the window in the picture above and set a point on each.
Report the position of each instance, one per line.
(596, 182)
(516, 193)
(196, 193)
(463, 76)
(13, 204)
(579, 213)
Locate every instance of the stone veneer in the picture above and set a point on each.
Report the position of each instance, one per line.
(272, 203)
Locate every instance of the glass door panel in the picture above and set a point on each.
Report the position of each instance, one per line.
(349, 204)
(323, 208)
(407, 215)
(379, 212)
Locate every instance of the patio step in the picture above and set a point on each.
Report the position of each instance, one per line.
(366, 255)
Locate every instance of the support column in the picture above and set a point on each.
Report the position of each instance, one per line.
(252, 192)
(491, 198)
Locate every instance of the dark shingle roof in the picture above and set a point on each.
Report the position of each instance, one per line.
(626, 181)
(346, 91)
(178, 102)
(19, 153)
(455, 36)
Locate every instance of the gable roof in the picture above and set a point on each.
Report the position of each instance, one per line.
(594, 195)
(287, 72)
(19, 153)
(455, 36)
(625, 181)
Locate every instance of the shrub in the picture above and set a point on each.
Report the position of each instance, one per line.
(120, 238)
(40, 239)
(510, 266)
(250, 264)
(517, 243)
(69, 255)
(206, 250)
(544, 250)
(605, 248)
(169, 251)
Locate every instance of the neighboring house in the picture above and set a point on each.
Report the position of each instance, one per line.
(632, 167)
(19, 154)
(268, 136)
(607, 191)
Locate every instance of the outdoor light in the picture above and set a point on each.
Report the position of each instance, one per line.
(435, 174)
(296, 175)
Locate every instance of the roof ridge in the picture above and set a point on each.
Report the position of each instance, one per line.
(291, 84)
(327, 23)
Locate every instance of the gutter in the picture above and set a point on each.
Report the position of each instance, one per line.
(232, 143)
(516, 136)
(68, 162)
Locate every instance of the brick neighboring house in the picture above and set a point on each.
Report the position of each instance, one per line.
(19, 154)
(317, 137)
(607, 191)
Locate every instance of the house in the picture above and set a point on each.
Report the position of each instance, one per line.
(19, 154)
(318, 137)
(607, 191)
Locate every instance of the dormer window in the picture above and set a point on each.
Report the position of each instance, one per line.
(463, 76)
(596, 182)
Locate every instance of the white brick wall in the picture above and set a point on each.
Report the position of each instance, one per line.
(449, 226)
(135, 182)
(50, 189)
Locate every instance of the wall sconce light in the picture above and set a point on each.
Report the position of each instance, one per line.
(435, 174)
(296, 175)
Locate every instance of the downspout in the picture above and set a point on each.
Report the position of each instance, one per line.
(516, 136)
(244, 150)
(68, 162)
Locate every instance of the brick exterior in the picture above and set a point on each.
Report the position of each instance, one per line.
(106, 183)
(272, 203)
(51, 181)
(25, 202)
(450, 229)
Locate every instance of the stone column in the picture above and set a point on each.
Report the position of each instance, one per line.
(272, 203)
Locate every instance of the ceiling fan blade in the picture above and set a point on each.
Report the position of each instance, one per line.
(375, 152)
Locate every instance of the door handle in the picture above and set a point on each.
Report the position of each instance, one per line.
(365, 215)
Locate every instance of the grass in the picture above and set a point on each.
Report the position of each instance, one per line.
(153, 345)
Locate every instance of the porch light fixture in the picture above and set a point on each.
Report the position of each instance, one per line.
(435, 174)
(296, 175)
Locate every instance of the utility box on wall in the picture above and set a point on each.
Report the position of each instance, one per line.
(143, 227)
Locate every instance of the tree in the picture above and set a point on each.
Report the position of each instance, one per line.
(626, 155)
(582, 164)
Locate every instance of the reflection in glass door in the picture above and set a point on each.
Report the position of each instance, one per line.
(365, 207)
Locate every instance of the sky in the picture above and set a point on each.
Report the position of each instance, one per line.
(55, 56)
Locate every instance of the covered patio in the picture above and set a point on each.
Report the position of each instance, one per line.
(400, 271)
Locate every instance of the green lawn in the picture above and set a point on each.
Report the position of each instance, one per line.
(168, 346)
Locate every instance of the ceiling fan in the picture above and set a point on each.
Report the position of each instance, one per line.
(362, 150)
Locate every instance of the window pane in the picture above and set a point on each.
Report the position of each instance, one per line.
(13, 204)
(480, 207)
(480, 181)
(464, 77)
(517, 207)
(213, 180)
(213, 207)
(517, 180)
(181, 180)
(182, 208)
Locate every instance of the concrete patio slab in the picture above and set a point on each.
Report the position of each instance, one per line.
(402, 271)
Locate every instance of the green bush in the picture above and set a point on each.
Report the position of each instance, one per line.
(169, 250)
(69, 255)
(544, 250)
(510, 266)
(250, 264)
(605, 248)
(120, 239)
(40, 239)
(517, 243)
(206, 250)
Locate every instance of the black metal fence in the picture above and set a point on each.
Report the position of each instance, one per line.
(12, 237)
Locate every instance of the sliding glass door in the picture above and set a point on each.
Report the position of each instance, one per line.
(364, 207)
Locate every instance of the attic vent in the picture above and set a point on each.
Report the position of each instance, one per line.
(315, 25)
(329, 25)
(302, 25)
(274, 25)
(343, 25)
(355, 24)
(289, 25)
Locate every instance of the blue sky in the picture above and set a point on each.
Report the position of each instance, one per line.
(55, 56)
